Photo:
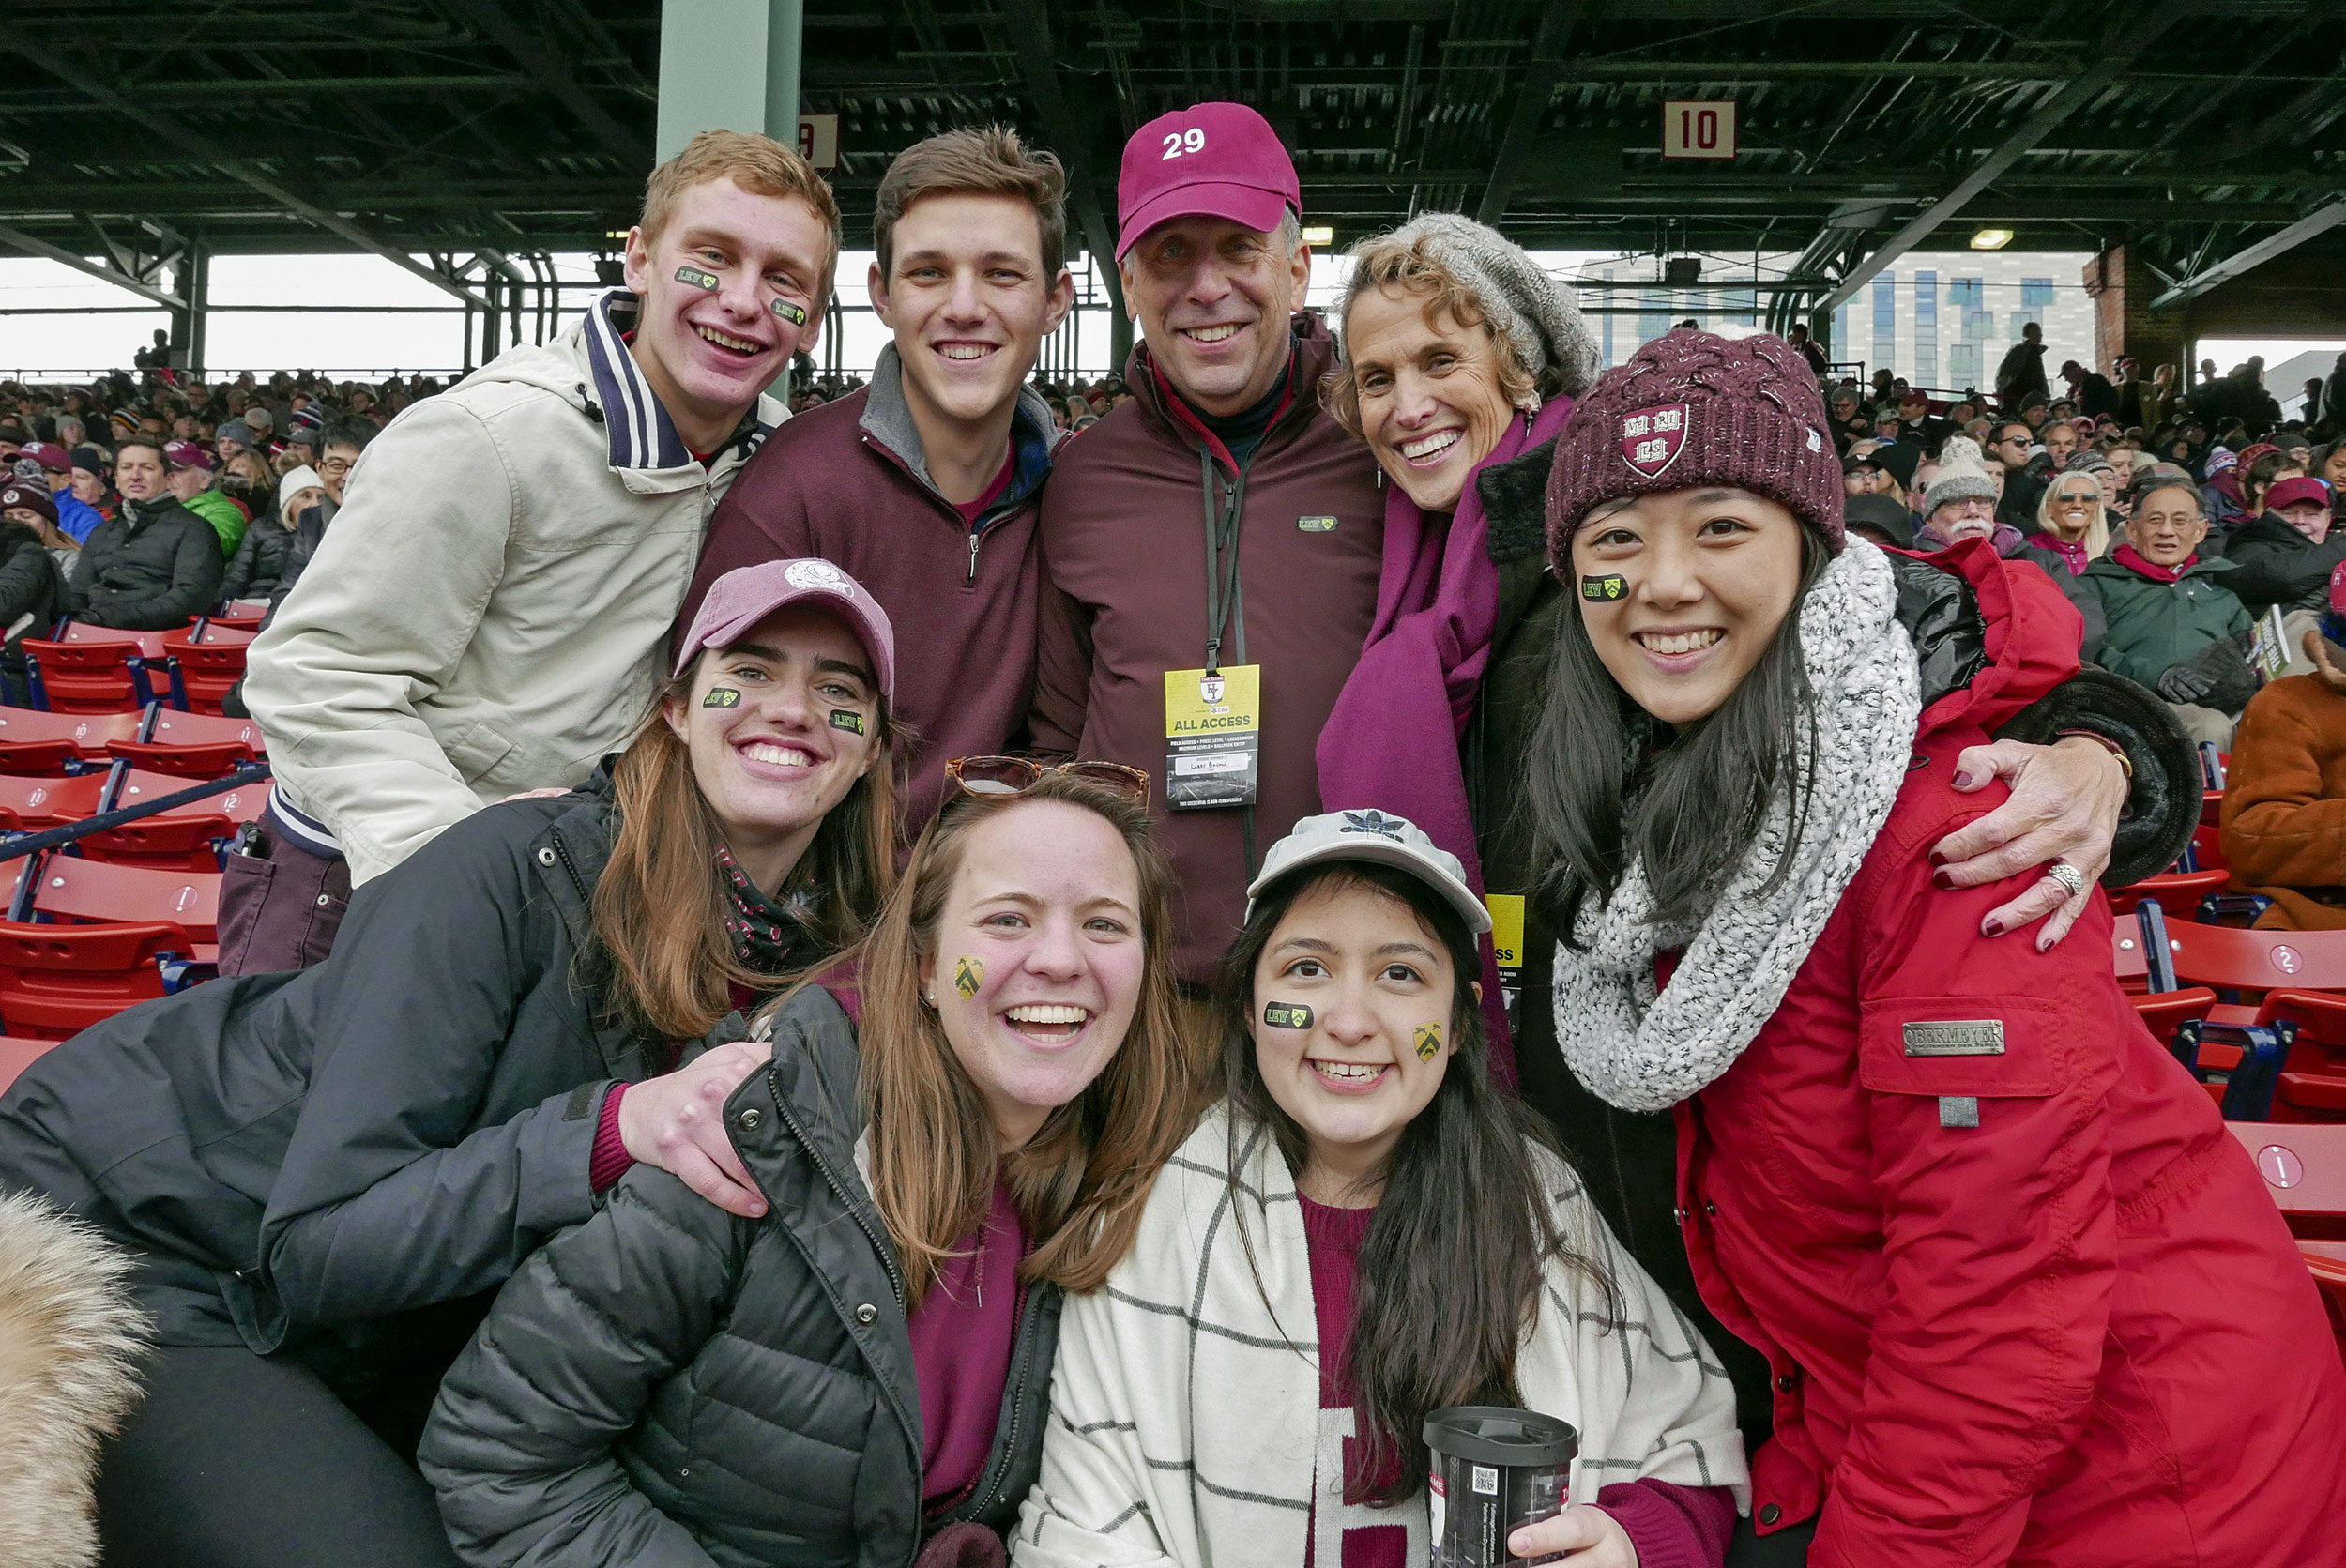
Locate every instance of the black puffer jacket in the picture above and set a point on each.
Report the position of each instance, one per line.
(153, 568)
(395, 1128)
(1628, 1159)
(260, 561)
(29, 586)
(2278, 564)
(669, 1386)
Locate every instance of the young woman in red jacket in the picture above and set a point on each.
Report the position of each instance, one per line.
(2025, 1298)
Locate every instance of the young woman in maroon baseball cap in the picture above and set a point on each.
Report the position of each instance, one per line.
(510, 1019)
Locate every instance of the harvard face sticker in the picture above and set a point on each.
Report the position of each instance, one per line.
(1427, 1039)
(968, 974)
(1287, 1015)
(722, 697)
(695, 276)
(1652, 439)
(847, 719)
(1610, 587)
(794, 314)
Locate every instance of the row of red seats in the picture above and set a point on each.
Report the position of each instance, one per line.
(98, 669)
(133, 911)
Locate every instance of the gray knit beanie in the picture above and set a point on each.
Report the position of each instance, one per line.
(1962, 475)
(1540, 317)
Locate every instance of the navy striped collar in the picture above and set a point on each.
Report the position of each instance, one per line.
(642, 434)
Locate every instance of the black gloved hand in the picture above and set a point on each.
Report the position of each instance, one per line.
(2185, 683)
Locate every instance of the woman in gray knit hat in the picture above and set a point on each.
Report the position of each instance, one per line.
(1461, 361)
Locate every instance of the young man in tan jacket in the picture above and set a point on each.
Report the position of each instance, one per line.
(486, 614)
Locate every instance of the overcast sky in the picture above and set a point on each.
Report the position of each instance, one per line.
(375, 343)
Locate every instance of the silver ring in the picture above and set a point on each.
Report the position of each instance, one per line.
(2072, 880)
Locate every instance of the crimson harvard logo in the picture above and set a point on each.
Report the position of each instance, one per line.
(1652, 439)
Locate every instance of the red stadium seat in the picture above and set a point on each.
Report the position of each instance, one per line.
(58, 978)
(33, 742)
(80, 889)
(90, 673)
(196, 745)
(57, 981)
(16, 1055)
(245, 614)
(2305, 1170)
(211, 662)
(186, 838)
(2314, 1080)
(2179, 890)
(2256, 961)
(29, 805)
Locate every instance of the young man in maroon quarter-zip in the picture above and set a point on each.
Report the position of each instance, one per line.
(923, 486)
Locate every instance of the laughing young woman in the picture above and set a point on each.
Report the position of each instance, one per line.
(859, 1376)
(1363, 1232)
(323, 1172)
(2023, 1298)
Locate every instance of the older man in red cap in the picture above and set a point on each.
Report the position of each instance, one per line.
(1212, 547)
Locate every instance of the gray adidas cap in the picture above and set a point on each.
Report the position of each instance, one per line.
(1372, 836)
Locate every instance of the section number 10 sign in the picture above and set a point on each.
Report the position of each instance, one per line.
(1699, 129)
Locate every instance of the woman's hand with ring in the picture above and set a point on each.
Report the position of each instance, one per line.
(2064, 804)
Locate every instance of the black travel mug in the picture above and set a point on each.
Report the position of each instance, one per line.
(1493, 1470)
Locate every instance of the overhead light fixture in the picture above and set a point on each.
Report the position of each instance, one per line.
(1991, 239)
(1323, 235)
(616, 234)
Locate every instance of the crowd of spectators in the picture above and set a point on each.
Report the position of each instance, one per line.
(2176, 520)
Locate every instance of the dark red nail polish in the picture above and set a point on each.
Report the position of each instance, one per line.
(1939, 857)
(1942, 880)
(1992, 927)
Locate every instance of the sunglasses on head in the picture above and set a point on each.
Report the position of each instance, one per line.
(996, 777)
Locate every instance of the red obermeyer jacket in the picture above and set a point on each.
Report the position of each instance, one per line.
(2075, 1333)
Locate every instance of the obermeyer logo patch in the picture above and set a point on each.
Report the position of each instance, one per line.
(1652, 439)
(1316, 525)
(1962, 1037)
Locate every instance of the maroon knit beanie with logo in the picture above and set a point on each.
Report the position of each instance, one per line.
(1690, 409)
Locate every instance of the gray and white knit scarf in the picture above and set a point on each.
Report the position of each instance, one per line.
(1645, 1052)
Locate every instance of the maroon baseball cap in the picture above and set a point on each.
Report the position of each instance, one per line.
(1208, 160)
(2288, 492)
(49, 455)
(187, 455)
(742, 598)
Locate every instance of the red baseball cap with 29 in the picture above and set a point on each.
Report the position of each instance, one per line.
(1208, 160)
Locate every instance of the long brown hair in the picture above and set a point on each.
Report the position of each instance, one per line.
(1081, 1181)
(659, 908)
(1450, 1274)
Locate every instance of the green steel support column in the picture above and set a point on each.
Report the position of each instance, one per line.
(785, 23)
(193, 279)
(728, 65)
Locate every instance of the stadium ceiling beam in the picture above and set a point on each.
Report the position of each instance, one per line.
(195, 144)
(1032, 28)
(2126, 42)
(2320, 220)
(551, 69)
(16, 239)
(1531, 106)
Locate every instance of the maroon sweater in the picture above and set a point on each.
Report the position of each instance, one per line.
(838, 481)
(1124, 552)
(1669, 1526)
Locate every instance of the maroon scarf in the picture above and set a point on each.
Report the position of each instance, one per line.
(1392, 742)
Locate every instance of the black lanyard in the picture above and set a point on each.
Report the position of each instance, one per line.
(1224, 597)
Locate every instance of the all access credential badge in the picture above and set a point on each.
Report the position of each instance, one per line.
(1212, 737)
